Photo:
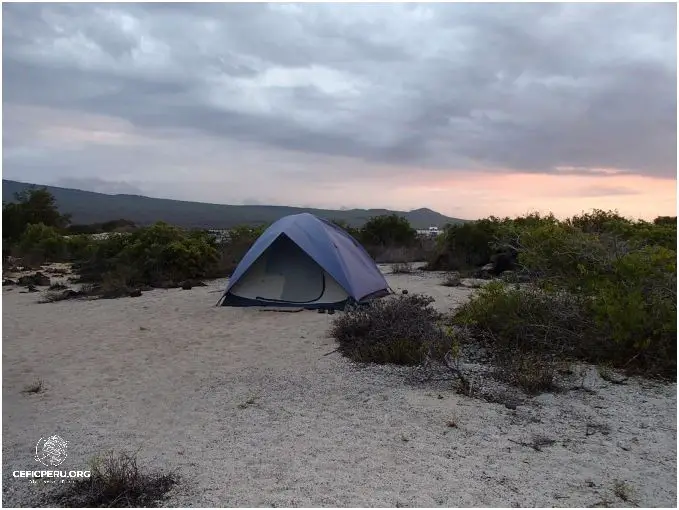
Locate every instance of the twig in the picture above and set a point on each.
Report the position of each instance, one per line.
(329, 353)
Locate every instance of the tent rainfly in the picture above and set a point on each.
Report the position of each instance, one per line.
(305, 261)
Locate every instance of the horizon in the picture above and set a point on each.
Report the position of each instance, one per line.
(392, 210)
(469, 110)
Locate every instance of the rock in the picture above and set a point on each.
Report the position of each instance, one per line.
(31, 288)
(509, 276)
(504, 261)
(474, 283)
(452, 279)
(404, 292)
(523, 278)
(135, 293)
(5, 283)
(116, 292)
(38, 279)
(186, 285)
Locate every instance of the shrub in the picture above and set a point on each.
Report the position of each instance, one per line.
(78, 247)
(31, 206)
(666, 220)
(465, 245)
(102, 256)
(629, 322)
(158, 255)
(420, 251)
(120, 225)
(527, 331)
(35, 387)
(117, 481)
(230, 252)
(387, 230)
(402, 330)
(522, 320)
(598, 221)
(41, 243)
(352, 231)
(477, 243)
(564, 256)
(636, 308)
(163, 252)
(531, 372)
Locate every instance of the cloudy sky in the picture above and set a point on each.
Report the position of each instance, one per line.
(469, 109)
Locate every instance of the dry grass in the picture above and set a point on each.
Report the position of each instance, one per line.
(530, 372)
(623, 490)
(249, 402)
(35, 387)
(116, 481)
(403, 330)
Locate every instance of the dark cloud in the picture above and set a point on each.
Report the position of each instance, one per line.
(523, 87)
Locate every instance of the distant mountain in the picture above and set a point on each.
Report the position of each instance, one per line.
(99, 186)
(90, 207)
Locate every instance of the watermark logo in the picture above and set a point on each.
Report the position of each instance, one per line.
(51, 451)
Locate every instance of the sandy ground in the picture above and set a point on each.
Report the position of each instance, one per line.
(171, 375)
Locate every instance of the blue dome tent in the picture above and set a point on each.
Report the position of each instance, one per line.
(305, 261)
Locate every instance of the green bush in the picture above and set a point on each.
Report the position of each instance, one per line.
(78, 247)
(159, 255)
(387, 230)
(40, 243)
(232, 250)
(466, 245)
(352, 231)
(636, 308)
(620, 311)
(564, 256)
(599, 221)
(477, 243)
(402, 330)
(163, 252)
(518, 320)
(30, 207)
(629, 286)
(101, 256)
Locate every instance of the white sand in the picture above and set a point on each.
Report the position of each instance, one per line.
(321, 431)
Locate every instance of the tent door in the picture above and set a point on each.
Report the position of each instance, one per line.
(303, 278)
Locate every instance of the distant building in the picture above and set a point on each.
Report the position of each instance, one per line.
(430, 232)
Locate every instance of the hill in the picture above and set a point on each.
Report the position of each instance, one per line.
(89, 207)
